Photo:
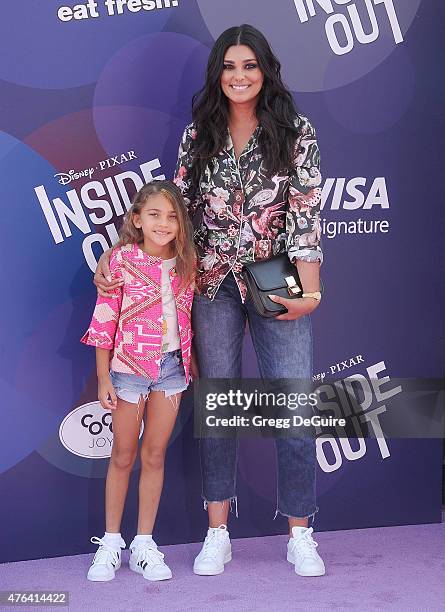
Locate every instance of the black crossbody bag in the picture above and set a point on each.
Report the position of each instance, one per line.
(274, 276)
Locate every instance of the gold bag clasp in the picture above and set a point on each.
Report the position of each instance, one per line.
(292, 287)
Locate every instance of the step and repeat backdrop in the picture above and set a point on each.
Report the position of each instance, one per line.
(95, 97)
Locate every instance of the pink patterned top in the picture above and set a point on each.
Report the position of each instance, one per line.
(130, 322)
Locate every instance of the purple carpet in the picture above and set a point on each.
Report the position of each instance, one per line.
(390, 568)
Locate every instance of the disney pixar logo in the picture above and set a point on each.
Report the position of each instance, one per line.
(72, 175)
(359, 25)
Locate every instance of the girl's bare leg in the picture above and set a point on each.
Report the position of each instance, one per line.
(126, 426)
(161, 418)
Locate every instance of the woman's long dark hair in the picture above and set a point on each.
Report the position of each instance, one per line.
(275, 110)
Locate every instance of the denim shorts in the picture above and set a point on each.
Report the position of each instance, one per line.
(171, 380)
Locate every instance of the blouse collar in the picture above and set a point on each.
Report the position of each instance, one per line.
(251, 144)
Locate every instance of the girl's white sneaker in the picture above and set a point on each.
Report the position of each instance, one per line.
(107, 560)
(301, 551)
(146, 559)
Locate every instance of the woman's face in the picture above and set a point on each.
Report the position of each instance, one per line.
(241, 78)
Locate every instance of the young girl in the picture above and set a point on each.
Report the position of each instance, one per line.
(142, 336)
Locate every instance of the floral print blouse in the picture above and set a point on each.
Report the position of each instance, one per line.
(240, 215)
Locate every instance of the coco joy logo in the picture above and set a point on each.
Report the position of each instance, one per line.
(87, 431)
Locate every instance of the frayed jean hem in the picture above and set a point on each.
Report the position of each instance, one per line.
(309, 516)
(221, 501)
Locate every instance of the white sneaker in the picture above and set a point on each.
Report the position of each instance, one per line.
(106, 562)
(147, 560)
(215, 552)
(301, 551)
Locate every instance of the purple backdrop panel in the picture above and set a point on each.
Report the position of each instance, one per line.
(96, 107)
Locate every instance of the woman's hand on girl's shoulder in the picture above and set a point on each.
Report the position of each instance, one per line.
(106, 393)
(102, 278)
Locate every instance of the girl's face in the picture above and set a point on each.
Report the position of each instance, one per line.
(158, 221)
(241, 78)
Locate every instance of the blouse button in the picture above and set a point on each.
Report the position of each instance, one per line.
(238, 195)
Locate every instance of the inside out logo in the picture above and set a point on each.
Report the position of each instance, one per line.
(361, 26)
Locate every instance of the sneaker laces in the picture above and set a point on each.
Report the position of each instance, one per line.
(212, 543)
(305, 543)
(105, 553)
(148, 552)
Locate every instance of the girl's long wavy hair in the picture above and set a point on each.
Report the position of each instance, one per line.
(275, 110)
(184, 247)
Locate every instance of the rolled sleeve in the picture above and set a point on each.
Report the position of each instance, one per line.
(103, 326)
(303, 216)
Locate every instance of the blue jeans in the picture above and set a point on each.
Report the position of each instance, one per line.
(284, 350)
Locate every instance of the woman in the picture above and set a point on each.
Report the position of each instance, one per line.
(249, 165)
